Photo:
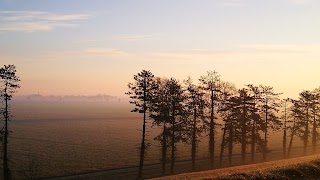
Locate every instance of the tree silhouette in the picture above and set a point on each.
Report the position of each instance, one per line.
(285, 121)
(9, 84)
(306, 110)
(248, 115)
(195, 107)
(239, 110)
(303, 109)
(230, 117)
(247, 106)
(294, 114)
(256, 121)
(210, 84)
(227, 90)
(176, 110)
(315, 107)
(160, 113)
(270, 105)
(141, 93)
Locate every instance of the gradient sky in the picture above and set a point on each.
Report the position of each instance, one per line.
(86, 47)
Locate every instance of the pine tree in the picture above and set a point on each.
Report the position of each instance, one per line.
(210, 84)
(195, 105)
(294, 115)
(227, 90)
(270, 106)
(160, 114)
(177, 116)
(315, 108)
(256, 121)
(141, 93)
(285, 121)
(303, 109)
(239, 110)
(9, 84)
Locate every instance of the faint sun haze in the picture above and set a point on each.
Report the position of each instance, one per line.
(87, 48)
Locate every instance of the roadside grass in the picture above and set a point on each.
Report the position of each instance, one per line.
(309, 170)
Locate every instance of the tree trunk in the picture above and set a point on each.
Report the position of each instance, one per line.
(230, 143)
(290, 146)
(314, 135)
(6, 169)
(143, 146)
(284, 141)
(243, 135)
(143, 143)
(173, 141)
(291, 138)
(193, 150)
(223, 142)
(284, 145)
(164, 149)
(265, 147)
(306, 134)
(211, 135)
(253, 140)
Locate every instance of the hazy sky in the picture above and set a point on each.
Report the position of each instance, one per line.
(96, 46)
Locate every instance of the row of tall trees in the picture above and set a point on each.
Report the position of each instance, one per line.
(248, 114)
(9, 83)
(187, 111)
(302, 119)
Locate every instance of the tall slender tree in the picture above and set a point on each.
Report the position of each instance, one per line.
(230, 115)
(284, 137)
(9, 85)
(256, 121)
(195, 107)
(246, 105)
(223, 142)
(160, 113)
(315, 107)
(303, 109)
(141, 93)
(227, 90)
(294, 115)
(210, 84)
(270, 106)
(176, 111)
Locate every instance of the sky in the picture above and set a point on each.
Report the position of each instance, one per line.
(82, 47)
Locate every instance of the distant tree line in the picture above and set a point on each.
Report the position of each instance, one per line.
(68, 98)
(186, 111)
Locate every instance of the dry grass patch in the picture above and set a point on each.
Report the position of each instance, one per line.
(307, 167)
(309, 170)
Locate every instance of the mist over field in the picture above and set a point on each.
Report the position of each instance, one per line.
(68, 135)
